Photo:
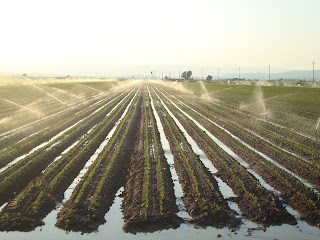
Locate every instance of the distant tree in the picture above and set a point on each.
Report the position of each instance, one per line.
(186, 74)
(24, 75)
(209, 77)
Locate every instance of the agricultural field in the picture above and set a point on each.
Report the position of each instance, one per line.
(135, 159)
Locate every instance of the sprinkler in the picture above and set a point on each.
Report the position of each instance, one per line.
(265, 113)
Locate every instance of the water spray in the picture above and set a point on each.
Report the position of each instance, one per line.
(21, 106)
(266, 116)
(316, 131)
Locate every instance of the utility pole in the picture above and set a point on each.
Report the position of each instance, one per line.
(239, 73)
(313, 63)
(269, 72)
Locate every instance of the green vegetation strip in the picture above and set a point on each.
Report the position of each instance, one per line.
(311, 170)
(236, 170)
(73, 155)
(102, 157)
(160, 174)
(297, 188)
(31, 159)
(169, 122)
(27, 144)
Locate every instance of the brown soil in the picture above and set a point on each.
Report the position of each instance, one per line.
(286, 184)
(38, 161)
(85, 216)
(136, 218)
(203, 209)
(261, 211)
(24, 204)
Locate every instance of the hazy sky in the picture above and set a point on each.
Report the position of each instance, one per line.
(134, 36)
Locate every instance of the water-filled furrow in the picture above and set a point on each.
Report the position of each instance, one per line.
(231, 153)
(3, 205)
(282, 149)
(263, 120)
(12, 132)
(238, 159)
(69, 148)
(168, 154)
(55, 137)
(225, 190)
(102, 146)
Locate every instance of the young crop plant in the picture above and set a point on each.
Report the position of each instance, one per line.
(145, 204)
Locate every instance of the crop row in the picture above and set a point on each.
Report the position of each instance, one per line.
(149, 201)
(254, 200)
(202, 197)
(24, 132)
(22, 147)
(94, 194)
(32, 165)
(310, 171)
(43, 193)
(26, 102)
(302, 198)
(283, 137)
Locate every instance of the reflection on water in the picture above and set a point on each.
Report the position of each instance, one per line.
(112, 229)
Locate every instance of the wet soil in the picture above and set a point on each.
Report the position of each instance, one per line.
(84, 215)
(35, 200)
(137, 218)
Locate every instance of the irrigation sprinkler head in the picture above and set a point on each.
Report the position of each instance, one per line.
(266, 114)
